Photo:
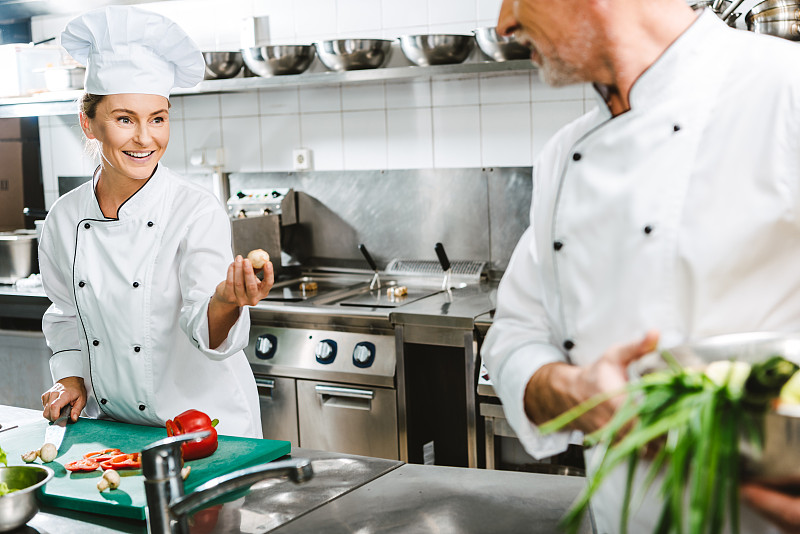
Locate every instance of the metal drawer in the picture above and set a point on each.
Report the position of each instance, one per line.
(349, 419)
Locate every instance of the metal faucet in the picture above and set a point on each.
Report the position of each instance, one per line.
(167, 505)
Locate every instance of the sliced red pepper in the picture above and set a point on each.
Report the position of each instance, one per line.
(102, 456)
(194, 421)
(83, 465)
(123, 461)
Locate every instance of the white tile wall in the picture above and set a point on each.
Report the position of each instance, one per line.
(497, 119)
(322, 133)
(364, 139)
(175, 156)
(457, 136)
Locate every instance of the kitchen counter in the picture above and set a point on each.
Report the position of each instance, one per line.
(457, 308)
(360, 494)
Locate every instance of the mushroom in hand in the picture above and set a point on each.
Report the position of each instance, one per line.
(258, 258)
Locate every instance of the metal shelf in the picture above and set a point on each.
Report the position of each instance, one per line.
(64, 102)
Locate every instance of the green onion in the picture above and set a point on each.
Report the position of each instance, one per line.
(700, 422)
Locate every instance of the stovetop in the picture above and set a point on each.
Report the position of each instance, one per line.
(353, 290)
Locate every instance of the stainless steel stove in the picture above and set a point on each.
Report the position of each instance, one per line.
(325, 357)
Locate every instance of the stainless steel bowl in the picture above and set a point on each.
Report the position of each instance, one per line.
(221, 65)
(778, 461)
(436, 49)
(18, 507)
(278, 60)
(353, 54)
(499, 47)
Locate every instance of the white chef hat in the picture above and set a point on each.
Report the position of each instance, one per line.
(131, 50)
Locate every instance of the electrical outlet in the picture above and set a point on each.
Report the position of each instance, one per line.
(302, 159)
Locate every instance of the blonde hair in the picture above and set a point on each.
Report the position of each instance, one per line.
(88, 103)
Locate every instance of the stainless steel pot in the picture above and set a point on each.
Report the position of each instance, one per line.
(778, 13)
(18, 507)
(64, 78)
(788, 29)
(767, 5)
(18, 255)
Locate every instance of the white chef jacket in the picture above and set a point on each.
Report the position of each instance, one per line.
(682, 215)
(130, 301)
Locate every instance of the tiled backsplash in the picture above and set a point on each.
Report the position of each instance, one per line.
(471, 120)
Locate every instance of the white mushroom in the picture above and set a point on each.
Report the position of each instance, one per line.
(110, 480)
(48, 452)
(30, 456)
(258, 258)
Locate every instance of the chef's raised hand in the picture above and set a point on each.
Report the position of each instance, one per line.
(69, 390)
(557, 387)
(242, 287)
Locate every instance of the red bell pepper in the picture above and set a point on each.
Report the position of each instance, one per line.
(194, 421)
(82, 465)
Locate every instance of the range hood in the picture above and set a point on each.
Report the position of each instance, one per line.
(20, 10)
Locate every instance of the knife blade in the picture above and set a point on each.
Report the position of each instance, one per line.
(55, 432)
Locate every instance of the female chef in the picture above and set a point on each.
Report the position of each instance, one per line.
(149, 315)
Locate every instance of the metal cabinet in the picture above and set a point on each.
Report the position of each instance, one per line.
(278, 400)
(348, 418)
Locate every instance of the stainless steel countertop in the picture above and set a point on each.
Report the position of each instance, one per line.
(360, 494)
(457, 309)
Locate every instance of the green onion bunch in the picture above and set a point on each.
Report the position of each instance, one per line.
(697, 424)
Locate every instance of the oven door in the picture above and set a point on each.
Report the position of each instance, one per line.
(278, 400)
(349, 419)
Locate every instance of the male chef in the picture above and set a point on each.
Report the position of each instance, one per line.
(669, 212)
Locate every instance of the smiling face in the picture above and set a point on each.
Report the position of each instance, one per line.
(560, 34)
(133, 133)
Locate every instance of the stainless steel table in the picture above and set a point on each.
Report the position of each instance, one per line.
(360, 494)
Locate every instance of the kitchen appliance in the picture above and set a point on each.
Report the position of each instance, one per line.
(256, 221)
(64, 77)
(19, 257)
(353, 54)
(23, 64)
(90, 435)
(327, 371)
(436, 49)
(326, 389)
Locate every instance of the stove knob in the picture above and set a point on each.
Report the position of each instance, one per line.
(266, 345)
(364, 354)
(325, 351)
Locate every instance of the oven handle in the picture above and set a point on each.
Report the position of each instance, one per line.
(268, 383)
(335, 391)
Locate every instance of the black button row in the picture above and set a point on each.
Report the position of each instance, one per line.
(82, 284)
(150, 224)
(142, 407)
(558, 245)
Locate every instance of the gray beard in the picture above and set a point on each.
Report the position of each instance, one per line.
(556, 73)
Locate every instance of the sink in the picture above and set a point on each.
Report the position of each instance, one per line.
(273, 502)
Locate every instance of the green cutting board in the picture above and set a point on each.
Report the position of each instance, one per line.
(78, 491)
